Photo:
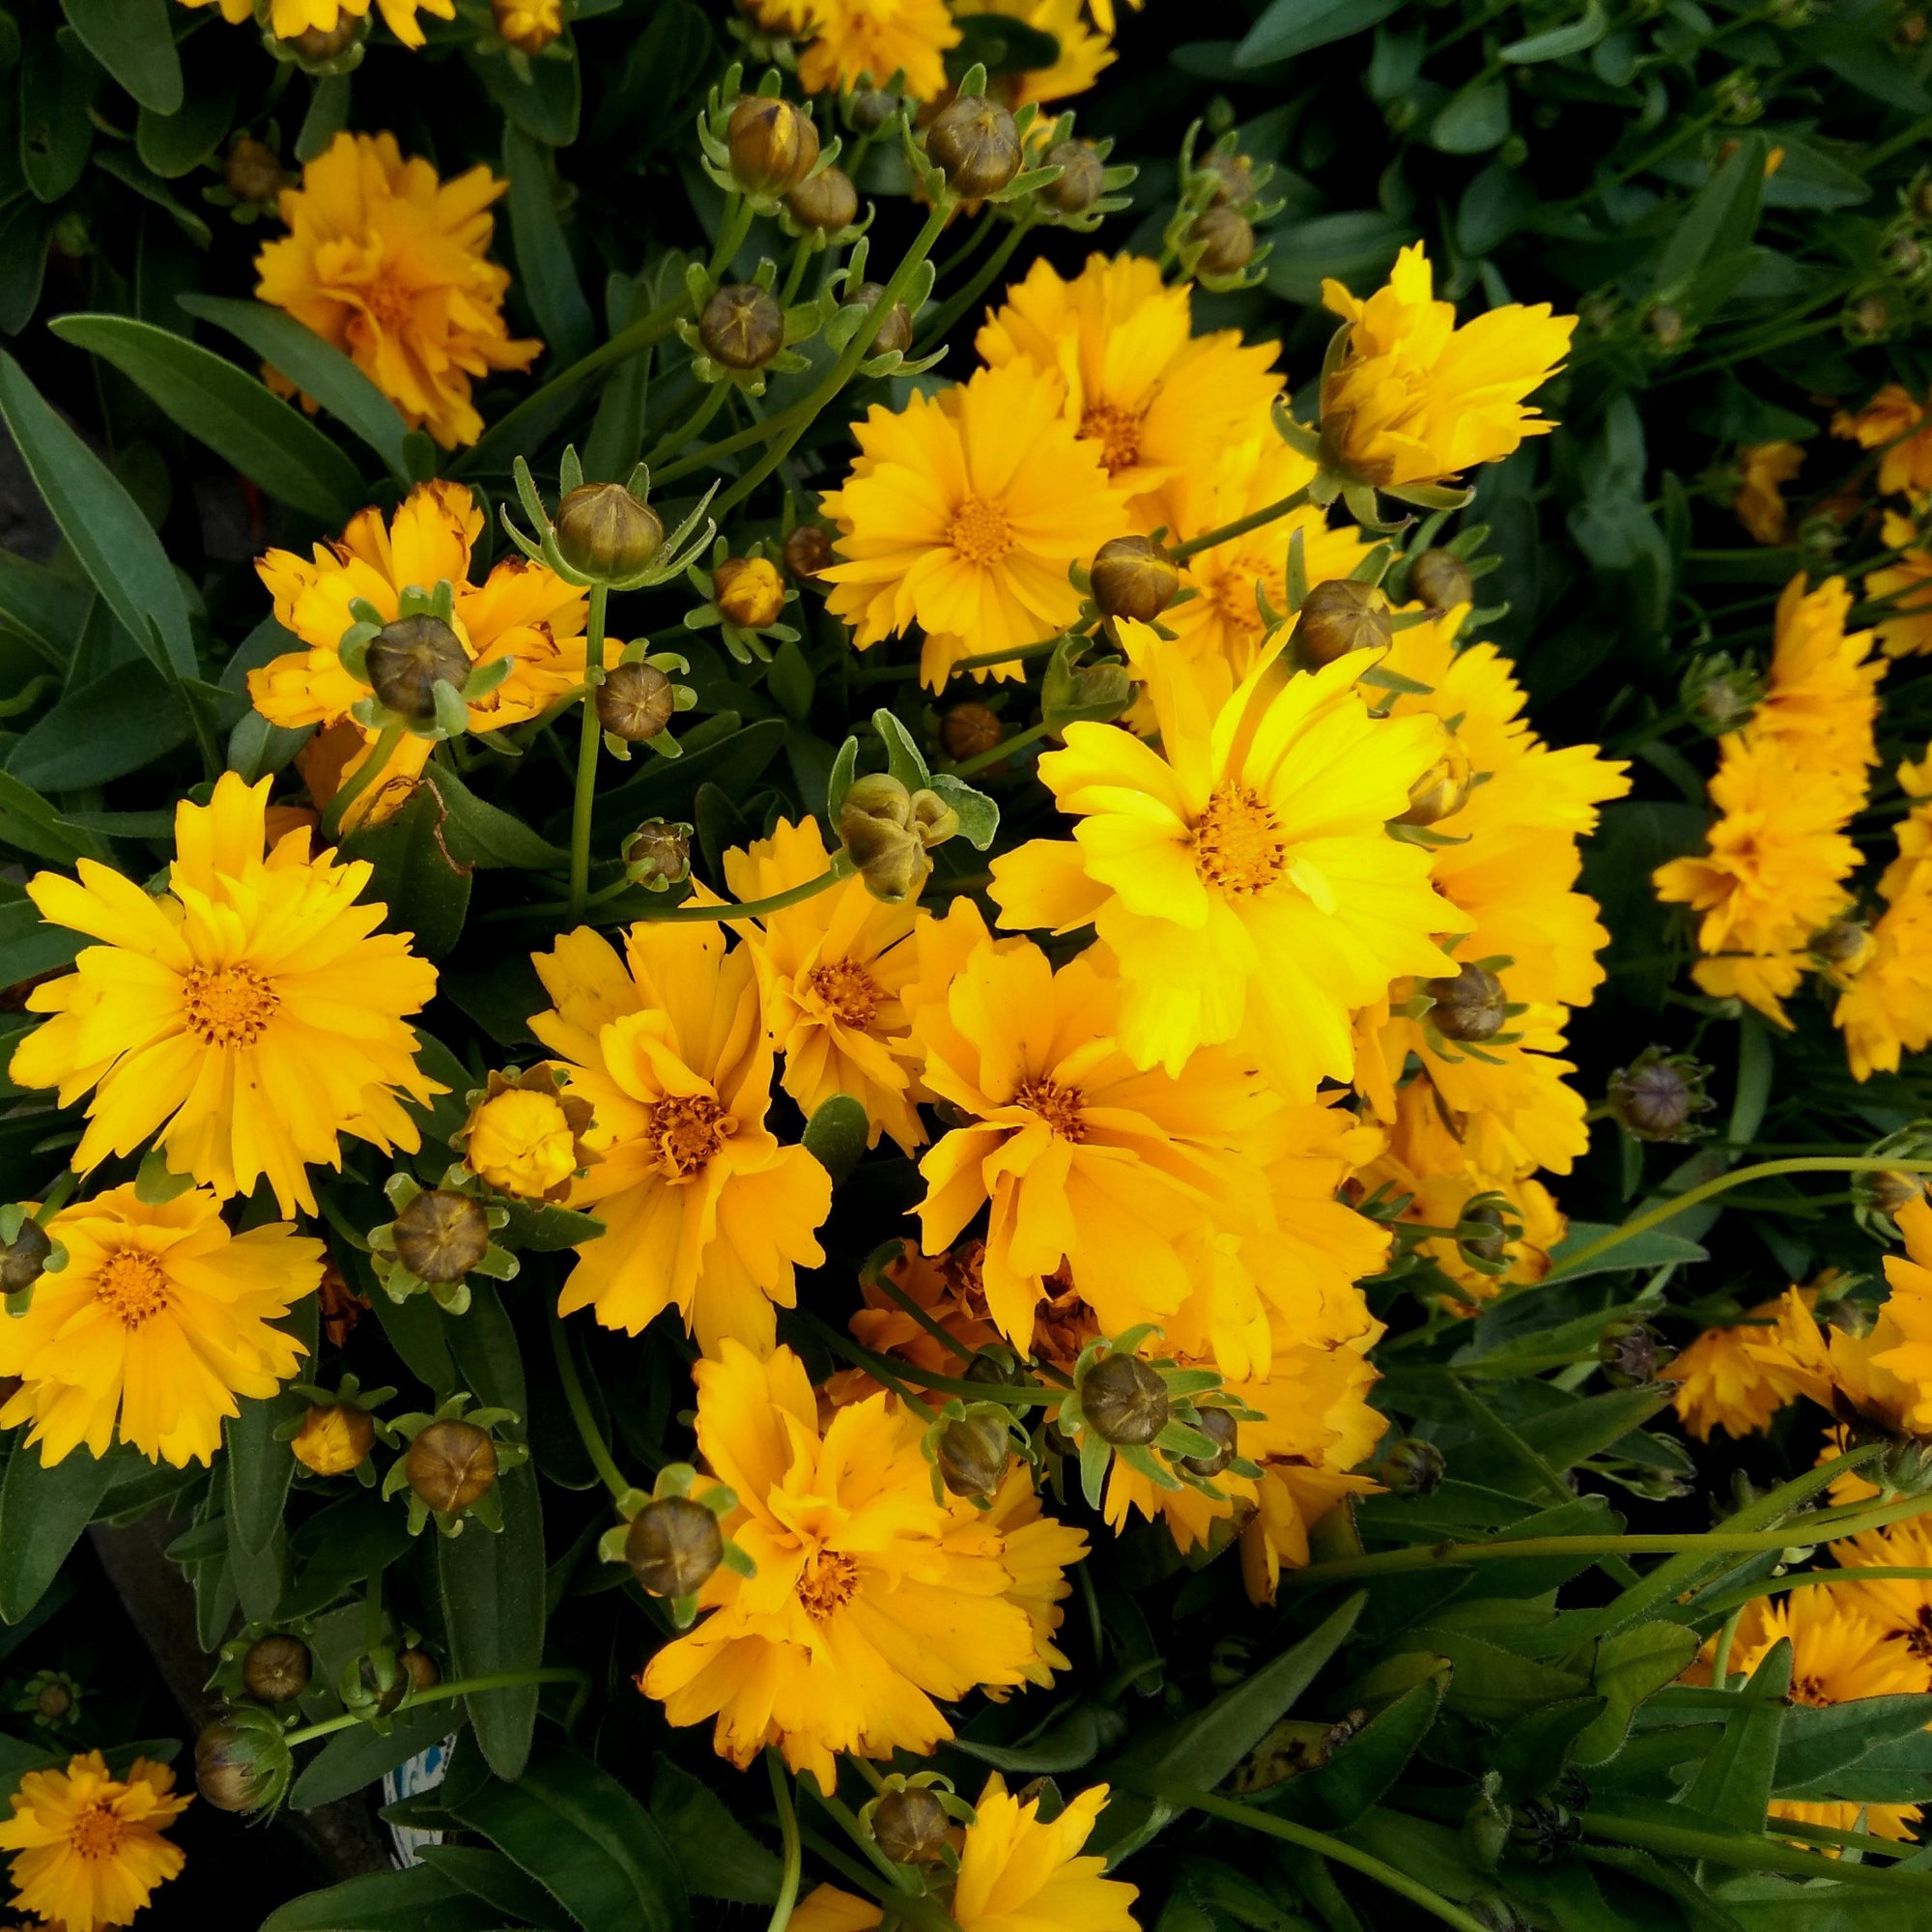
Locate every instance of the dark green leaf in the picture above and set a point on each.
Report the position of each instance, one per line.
(337, 1549)
(46, 607)
(836, 1135)
(27, 235)
(1819, 1744)
(1290, 27)
(1473, 122)
(1533, 1753)
(727, 756)
(545, 106)
(420, 1899)
(173, 144)
(491, 1877)
(547, 275)
(353, 1758)
(1359, 1773)
(1629, 1666)
(135, 41)
(480, 834)
(29, 824)
(1355, 248)
(545, 1228)
(43, 1511)
(1576, 37)
(58, 79)
(260, 1469)
(417, 877)
(718, 1858)
(1722, 219)
(116, 724)
(1734, 1786)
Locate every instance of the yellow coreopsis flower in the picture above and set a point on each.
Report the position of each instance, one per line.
(245, 1019)
(1885, 1002)
(391, 266)
(852, 40)
(1414, 399)
(1084, 55)
(1764, 469)
(1906, 589)
(962, 514)
(520, 610)
(1242, 874)
(1821, 696)
(88, 1849)
(832, 971)
(870, 1606)
(1893, 422)
(524, 1137)
(1036, 1550)
(1722, 1384)
(289, 19)
(1159, 402)
(159, 1318)
(1901, 1607)
(704, 1209)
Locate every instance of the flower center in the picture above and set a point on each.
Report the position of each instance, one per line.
(131, 1284)
(980, 533)
(848, 992)
(829, 1580)
(97, 1833)
(1236, 845)
(689, 1128)
(1916, 1636)
(1117, 432)
(227, 1005)
(1809, 1690)
(390, 304)
(1060, 1107)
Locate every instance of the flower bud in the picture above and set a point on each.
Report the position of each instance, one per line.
(909, 1826)
(1658, 1096)
(386, 1697)
(440, 1235)
(875, 826)
(527, 25)
(1887, 1190)
(235, 1769)
(1845, 944)
(1227, 240)
(1125, 1400)
(451, 1464)
(896, 331)
(1484, 1235)
(276, 1668)
(1665, 326)
(826, 201)
(420, 1668)
(53, 1699)
(24, 1259)
(1720, 693)
(1440, 579)
(808, 551)
(658, 853)
(742, 327)
(1630, 1353)
(333, 1438)
(315, 45)
(1233, 178)
(604, 531)
(749, 590)
(407, 660)
(1412, 1467)
(252, 172)
(634, 702)
(1471, 1006)
(772, 144)
(1220, 1426)
(1444, 789)
(673, 1545)
(971, 1453)
(521, 1141)
(974, 143)
(1543, 1832)
(872, 109)
(1080, 184)
(1134, 578)
(970, 731)
(1339, 617)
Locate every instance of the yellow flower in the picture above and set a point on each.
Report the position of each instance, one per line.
(522, 1138)
(870, 1606)
(520, 610)
(289, 19)
(1413, 398)
(391, 266)
(246, 1018)
(704, 1210)
(851, 40)
(1081, 1159)
(1901, 1609)
(1244, 873)
(832, 971)
(1821, 695)
(1722, 1384)
(1894, 423)
(1158, 402)
(1885, 1004)
(1038, 1551)
(962, 514)
(1765, 468)
(1083, 57)
(333, 1439)
(1906, 631)
(159, 1317)
(87, 1846)
(528, 24)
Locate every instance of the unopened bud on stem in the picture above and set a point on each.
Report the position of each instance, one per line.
(672, 1545)
(1125, 1400)
(1133, 578)
(407, 660)
(974, 143)
(451, 1464)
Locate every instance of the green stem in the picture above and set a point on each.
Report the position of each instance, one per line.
(1240, 526)
(801, 259)
(1024, 1395)
(840, 867)
(1828, 1579)
(986, 659)
(1746, 1854)
(594, 1445)
(794, 1856)
(460, 1686)
(1721, 1658)
(980, 760)
(936, 326)
(590, 735)
(378, 756)
(672, 441)
(1338, 1849)
(732, 233)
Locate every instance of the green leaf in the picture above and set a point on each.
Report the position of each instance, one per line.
(1820, 1743)
(118, 723)
(1568, 1435)
(327, 117)
(58, 79)
(979, 815)
(547, 274)
(1734, 1786)
(417, 877)
(545, 106)
(1359, 1774)
(491, 1877)
(229, 410)
(1069, 1742)
(41, 605)
(493, 1607)
(1472, 122)
(1354, 247)
(176, 144)
(115, 543)
(1656, 1247)
(27, 235)
(420, 1899)
(29, 824)
(1629, 1666)
(1577, 36)
(1290, 27)
(135, 41)
(480, 834)
(43, 1511)
(29, 946)
(316, 367)
(260, 1469)
(337, 1548)
(1495, 1685)
(545, 1228)
(836, 1135)
(734, 758)
(1534, 1751)
(354, 1759)
(718, 1858)
(1722, 219)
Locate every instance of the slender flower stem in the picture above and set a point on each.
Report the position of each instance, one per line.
(437, 1693)
(980, 760)
(674, 440)
(840, 867)
(1240, 526)
(732, 233)
(1750, 1854)
(1847, 1576)
(987, 659)
(590, 735)
(888, 1370)
(379, 754)
(936, 325)
(1721, 1658)
(794, 1856)
(594, 1445)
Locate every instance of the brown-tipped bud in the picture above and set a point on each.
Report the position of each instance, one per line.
(316, 45)
(1442, 580)
(24, 1259)
(604, 531)
(872, 109)
(420, 1667)
(974, 143)
(826, 201)
(333, 1438)
(1221, 1428)
(1080, 184)
(1888, 1190)
(1341, 616)
(742, 327)
(1233, 178)
(659, 853)
(1226, 239)
(1444, 789)
(408, 660)
(440, 1235)
(808, 551)
(386, 1696)
(1412, 1467)
(1868, 319)
(1125, 1400)
(1658, 1096)
(1484, 1235)
(896, 331)
(1843, 943)
(672, 1545)
(634, 702)
(1665, 326)
(1471, 1006)
(253, 172)
(970, 731)
(52, 1701)
(772, 144)
(972, 1454)
(1134, 578)
(909, 1826)
(276, 1668)
(1630, 1353)
(231, 1770)
(749, 591)
(451, 1464)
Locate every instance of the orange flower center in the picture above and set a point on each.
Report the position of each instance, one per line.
(1060, 1107)
(829, 1580)
(848, 992)
(1117, 432)
(390, 303)
(97, 1833)
(1236, 844)
(227, 1005)
(689, 1128)
(980, 533)
(132, 1286)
